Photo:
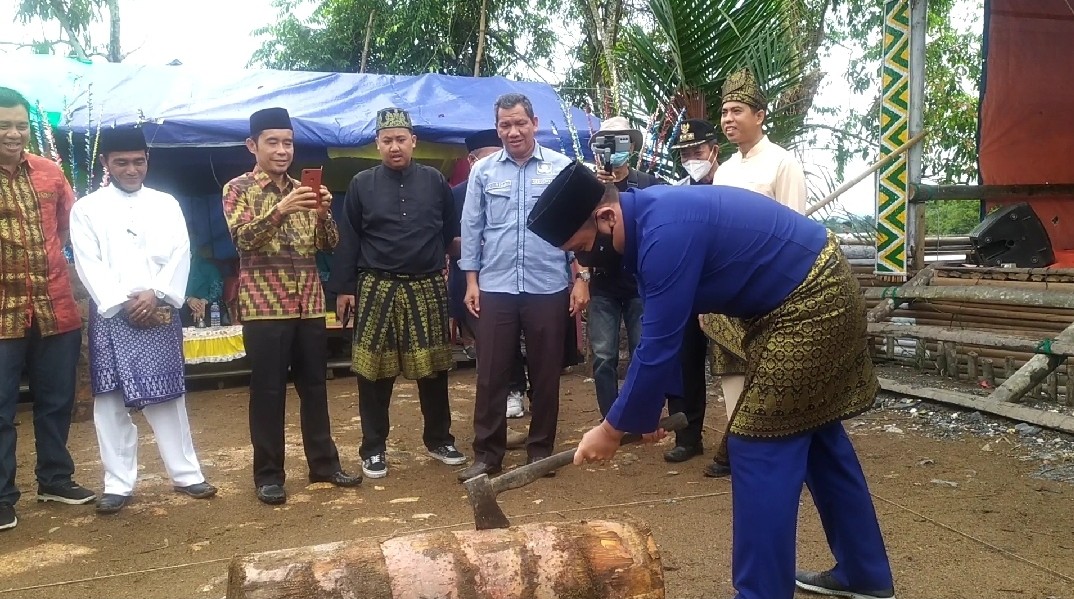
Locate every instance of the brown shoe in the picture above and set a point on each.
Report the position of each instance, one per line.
(515, 439)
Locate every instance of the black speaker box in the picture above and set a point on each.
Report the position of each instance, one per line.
(1012, 235)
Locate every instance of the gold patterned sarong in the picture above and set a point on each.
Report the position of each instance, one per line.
(401, 326)
(806, 362)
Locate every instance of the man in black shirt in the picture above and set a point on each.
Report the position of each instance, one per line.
(613, 293)
(398, 222)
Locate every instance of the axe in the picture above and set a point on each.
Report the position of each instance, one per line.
(482, 490)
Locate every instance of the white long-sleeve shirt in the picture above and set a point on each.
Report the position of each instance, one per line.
(768, 170)
(125, 243)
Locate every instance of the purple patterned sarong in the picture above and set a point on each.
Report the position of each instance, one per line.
(146, 365)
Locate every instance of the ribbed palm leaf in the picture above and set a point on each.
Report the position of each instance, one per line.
(680, 62)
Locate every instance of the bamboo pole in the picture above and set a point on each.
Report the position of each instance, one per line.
(879, 164)
(1053, 299)
(970, 337)
(1032, 373)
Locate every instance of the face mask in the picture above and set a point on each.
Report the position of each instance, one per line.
(602, 256)
(698, 169)
(618, 159)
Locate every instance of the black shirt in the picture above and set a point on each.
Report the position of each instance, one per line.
(394, 221)
(621, 285)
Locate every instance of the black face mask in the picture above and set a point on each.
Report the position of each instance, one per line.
(602, 256)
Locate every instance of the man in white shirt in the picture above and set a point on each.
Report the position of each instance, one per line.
(133, 255)
(761, 166)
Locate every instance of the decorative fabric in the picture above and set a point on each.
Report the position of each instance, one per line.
(393, 118)
(728, 356)
(807, 361)
(742, 86)
(35, 210)
(401, 326)
(145, 365)
(278, 275)
(223, 344)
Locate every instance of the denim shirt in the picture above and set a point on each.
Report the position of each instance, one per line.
(509, 257)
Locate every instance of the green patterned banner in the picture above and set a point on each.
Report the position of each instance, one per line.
(892, 188)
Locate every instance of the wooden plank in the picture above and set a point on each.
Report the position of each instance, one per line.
(1032, 373)
(887, 306)
(1052, 420)
(924, 193)
(999, 295)
(973, 337)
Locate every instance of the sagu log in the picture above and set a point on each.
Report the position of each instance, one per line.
(597, 559)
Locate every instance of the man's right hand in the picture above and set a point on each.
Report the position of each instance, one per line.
(343, 302)
(472, 299)
(300, 199)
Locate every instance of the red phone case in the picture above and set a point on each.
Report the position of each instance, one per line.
(311, 177)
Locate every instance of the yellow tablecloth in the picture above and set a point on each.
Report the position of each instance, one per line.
(222, 344)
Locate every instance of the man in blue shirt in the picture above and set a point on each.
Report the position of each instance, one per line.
(716, 249)
(515, 280)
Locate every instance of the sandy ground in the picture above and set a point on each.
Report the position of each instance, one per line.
(963, 516)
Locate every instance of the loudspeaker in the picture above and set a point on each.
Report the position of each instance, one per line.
(1012, 235)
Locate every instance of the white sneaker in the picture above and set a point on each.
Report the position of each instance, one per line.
(514, 405)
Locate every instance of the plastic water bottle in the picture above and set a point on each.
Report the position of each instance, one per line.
(214, 316)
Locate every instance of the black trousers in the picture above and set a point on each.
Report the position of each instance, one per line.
(374, 398)
(518, 368)
(693, 355)
(503, 316)
(274, 347)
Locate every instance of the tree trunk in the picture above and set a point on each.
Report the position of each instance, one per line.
(365, 44)
(482, 23)
(60, 12)
(582, 560)
(115, 53)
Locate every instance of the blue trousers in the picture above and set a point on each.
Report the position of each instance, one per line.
(51, 363)
(767, 477)
(602, 325)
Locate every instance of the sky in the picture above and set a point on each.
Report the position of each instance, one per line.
(155, 32)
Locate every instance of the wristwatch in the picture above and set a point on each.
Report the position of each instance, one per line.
(583, 275)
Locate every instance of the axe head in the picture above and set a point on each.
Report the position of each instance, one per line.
(487, 513)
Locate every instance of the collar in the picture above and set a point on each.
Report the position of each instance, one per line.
(757, 148)
(406, 172)
(24, 162)
(538, 153)
(263, 179)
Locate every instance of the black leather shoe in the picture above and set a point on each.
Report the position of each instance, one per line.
(339, 479)
(477, 469)
(272, 494)
(202, 490)
(716, 470)
(533, 459)
(111, 504)
(681, 453)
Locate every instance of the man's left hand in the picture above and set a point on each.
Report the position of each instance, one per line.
(599, 444)
(579, 297)
(326, 202)
(141, 305)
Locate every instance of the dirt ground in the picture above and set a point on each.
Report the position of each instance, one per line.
(961, 517)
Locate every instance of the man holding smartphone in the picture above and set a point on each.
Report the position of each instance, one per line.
(398, 222)
(278, 225)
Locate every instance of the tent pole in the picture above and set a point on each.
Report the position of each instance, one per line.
(916, 212)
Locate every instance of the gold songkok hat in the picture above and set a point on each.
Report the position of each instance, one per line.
(741, 86)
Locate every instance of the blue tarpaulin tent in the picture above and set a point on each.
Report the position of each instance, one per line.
(196, 119)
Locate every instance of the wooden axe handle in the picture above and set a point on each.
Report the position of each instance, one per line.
(524, 475)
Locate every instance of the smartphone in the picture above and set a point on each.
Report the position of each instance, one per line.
(311, 177)
(346, 320)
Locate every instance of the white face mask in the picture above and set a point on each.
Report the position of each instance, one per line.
(697, 169)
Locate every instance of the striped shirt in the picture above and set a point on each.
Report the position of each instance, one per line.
(35, 210)
(278, 275)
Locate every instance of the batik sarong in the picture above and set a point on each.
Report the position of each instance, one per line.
(146, 365)
(807, 361)
(401, 326)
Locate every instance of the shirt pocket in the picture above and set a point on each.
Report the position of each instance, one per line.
(500, 207)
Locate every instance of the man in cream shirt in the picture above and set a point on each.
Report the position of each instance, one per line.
(760, 166)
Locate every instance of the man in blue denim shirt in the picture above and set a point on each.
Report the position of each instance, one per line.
(515, 280)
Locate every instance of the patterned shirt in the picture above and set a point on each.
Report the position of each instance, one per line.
(35, 210)
(278, 275)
